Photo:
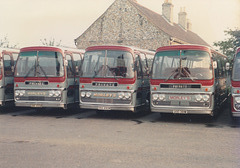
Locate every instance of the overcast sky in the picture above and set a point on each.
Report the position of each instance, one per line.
(25, 22)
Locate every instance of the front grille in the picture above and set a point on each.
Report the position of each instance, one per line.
(38, 83)
(181, 104)
(199, 104)
(105, 84)
(38, 98)
(105, 101)
(180, 86)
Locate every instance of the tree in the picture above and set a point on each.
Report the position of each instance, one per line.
(5, 43)
(50, 42)
(229, 46)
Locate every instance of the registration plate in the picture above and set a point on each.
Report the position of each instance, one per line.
(180, 111)
(188, 98)
(104, 108)
(36, 105)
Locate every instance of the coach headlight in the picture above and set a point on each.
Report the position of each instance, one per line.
(198, 98)
(57, 93)
(21, 92)
(83, 94)
(17, 93)
(54, 93)
(51, 93)
(128, 95)
(121, 95)
(161, 97)
(155, 97)
(88, 94)
(206, 97)
(237, 100)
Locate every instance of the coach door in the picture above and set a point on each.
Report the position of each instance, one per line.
(70, 79)
(145, 78)
(8, 68)
(77, 59)
(140, 81)
(220, 80)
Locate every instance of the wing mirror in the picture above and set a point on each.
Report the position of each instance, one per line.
(65, 62)
(227, 66)
(77, 70)
(214, 64)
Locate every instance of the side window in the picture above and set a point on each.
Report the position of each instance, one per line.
(1, 65)
(77, 62)
(144, 64)
(149, 61)
(224, 61)
(70, 67)
(217, 71)
(15, 56)
(7, 61)
(138, 67)
(220, 67)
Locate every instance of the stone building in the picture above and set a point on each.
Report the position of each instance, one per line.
(126, 22)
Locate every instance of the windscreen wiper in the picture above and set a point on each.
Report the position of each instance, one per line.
(96, 72)
(29, 71)
(188, 74)
(174, 72)
(179, 72)
(43, 71)
(113, 73)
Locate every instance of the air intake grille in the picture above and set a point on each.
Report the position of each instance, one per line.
(181, 86)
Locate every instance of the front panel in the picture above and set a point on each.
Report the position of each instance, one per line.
(40, 93)
(182, 98)
(107, 96)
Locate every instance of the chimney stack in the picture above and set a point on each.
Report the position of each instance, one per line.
(182, 18)
(167, 10)
(189, 25)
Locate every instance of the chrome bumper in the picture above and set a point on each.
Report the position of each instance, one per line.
(236, 114)
(40, 104)
(108, 107)
(182, 110)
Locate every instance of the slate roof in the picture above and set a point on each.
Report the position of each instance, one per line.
(174, 30)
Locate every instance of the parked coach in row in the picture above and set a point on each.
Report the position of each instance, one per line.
(188, 79)
(115, 78)
(47, 77)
